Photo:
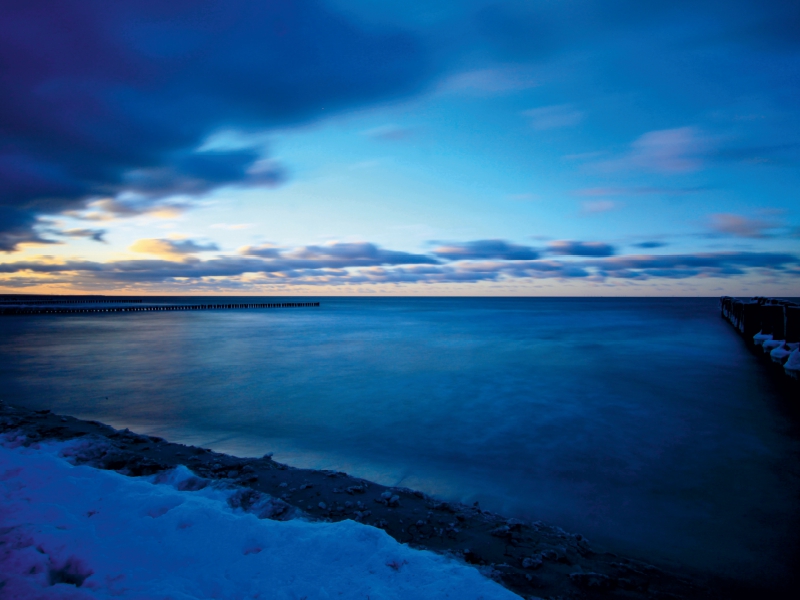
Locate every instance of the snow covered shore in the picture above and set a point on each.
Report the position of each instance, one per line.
(79, 532)
(89, 511)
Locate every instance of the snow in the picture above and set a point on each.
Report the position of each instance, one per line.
(760, 338)
(770, 345)
(781, 353)
(76, 532)
(792, 366)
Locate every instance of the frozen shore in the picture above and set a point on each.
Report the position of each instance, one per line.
(92, 512)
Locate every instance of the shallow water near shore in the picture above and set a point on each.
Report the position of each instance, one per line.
(644, 424)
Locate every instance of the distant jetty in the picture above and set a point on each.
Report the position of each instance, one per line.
(39, 305)
(770, 326)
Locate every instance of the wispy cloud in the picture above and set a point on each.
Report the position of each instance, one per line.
(741, 226)
(389, 133)
(96, 235)
(637, 191)
(490, 81)
(525, 197)
(666, 151)
(594, 207)
(554, 117)
(109, 209)
(171, 248)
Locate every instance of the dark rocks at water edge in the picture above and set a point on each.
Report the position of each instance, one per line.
(770, 327)
(533, 559)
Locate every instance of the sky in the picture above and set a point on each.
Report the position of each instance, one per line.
(353, 147)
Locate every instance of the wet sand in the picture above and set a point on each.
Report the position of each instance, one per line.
(534, 560)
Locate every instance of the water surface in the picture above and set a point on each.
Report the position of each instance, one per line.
(643, 424)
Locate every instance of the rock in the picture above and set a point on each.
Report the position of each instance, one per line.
(501, 532)
(593, 581)
(389, 499)
(533, 562)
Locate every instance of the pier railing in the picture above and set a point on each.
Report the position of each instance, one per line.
(770, 326)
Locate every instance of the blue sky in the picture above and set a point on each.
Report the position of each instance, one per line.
(434, 148)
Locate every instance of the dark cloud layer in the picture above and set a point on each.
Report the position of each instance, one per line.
(366, 263)
(337, 256)
(573, 248)
(486, 249)
(97, 96)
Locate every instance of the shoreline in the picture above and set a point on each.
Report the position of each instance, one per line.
(533, 560)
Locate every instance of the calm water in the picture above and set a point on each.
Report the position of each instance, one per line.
(643, 424)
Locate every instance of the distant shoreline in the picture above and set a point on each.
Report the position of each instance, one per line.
(530, 559)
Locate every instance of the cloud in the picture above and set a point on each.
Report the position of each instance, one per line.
(356, 254)
(335, 255)
(92, 234)
(740, 226)
(109, 209)
(171, 248)
(493, 81)
(638, 191)
(339, 264)
(486, 249)
(389, 133)
(572, 248)
(103, 98)
(709, 263)
(525, 197)
(554, 117)
(666, 151)
(598, 206)
(649, 245)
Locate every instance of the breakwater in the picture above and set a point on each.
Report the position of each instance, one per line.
(770, 326)
(90, 300)
(27, 309)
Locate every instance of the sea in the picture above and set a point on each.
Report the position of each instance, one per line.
(644, 424)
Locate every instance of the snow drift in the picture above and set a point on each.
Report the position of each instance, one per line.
(76, 532)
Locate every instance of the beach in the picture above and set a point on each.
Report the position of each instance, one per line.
(531, 559)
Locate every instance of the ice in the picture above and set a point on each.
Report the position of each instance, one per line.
(77, 532)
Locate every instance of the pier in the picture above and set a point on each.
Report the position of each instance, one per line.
(770, 327)
(136, 306)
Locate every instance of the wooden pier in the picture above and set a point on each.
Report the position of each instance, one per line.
(30, 309)
(770, 327)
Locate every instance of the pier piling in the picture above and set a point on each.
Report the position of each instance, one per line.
(770, 327)
(94, 306)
